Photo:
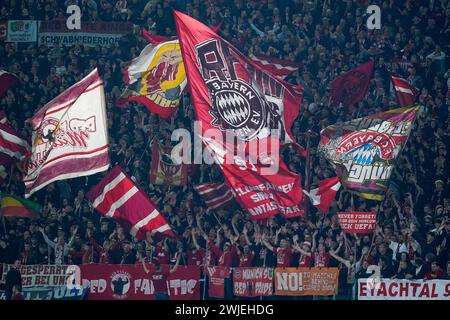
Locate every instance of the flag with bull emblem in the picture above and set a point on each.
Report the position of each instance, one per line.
(156, 78)
(234, 98)
(163, 169)
(70, 137)
(364, 150)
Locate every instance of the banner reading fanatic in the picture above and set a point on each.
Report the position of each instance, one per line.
(357, 222)
(395, 289)
(306, 281)
(70, 137)
(364, 150)
(234, 98)
(92, 34)
(110, 282)
(253, 282)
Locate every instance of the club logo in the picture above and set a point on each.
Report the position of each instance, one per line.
(120, 284)
(237, 107)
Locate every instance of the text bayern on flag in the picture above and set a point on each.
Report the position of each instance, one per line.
(231, 94)
(364, 150)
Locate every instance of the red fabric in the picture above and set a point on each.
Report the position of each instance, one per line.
(351, 87)
(284, 257)
(246, 260)
(7, 81)
(321, 259)
(227, 258)
(196, 258)
(159, 279)
(226, 99)
(405, 92)
(217, 277)
(305, 261)
(163, 255)
(133, 212)
(277, 67)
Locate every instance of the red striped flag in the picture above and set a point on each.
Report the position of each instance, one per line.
(323, 196)
(277, 67)
(215, 195)
(405, 92)
(12, 144)
(117, 197)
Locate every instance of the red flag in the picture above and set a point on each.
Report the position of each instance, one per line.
(7, 80)
(163, 170)
(233, 96)
(357, 222)
(117, 197)
(278, 67)
(215, 195)
(405, 92)
(323, 196)
(351, 87)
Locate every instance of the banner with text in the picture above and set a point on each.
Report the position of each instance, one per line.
(357, 222)
(109, 282)
(102, 34)
(306, 281)
(252, 282)
(55, 293)
(217, 277)
(22, 31)
(387, 289)
(42, 275)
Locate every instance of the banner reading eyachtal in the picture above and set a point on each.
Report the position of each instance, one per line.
(364, 150)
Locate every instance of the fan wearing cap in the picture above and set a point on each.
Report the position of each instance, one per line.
(306, 258)
(283, 252)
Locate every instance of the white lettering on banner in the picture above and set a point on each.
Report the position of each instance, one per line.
(95, 286)
(359, 173)
(388, 289)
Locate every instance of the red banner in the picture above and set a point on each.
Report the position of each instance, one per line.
(357, 222)
(109, 282)
(253, 282)
(217, 277)
(164, 170)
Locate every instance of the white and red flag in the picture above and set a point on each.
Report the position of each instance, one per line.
(13, 148)
(215, 195)
(164, 170)
(234, 97)
(7, 81)
(278, 67)
(405, 92)
(118, 197)
(70, 137)
(323, 196)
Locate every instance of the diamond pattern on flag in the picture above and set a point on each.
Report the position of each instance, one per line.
(117, 197)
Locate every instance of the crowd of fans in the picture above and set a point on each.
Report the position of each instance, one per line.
(412, 237)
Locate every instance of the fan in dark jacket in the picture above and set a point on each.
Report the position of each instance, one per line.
(13, 278)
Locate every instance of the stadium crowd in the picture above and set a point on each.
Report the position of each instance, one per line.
(412, 237)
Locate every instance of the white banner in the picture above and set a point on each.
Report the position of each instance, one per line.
(22, 31)
(387, 289)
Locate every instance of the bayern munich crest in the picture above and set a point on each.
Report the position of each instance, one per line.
(237, 107)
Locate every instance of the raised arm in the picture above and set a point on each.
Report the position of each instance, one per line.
(47, 240)
(145, 266)
(175, 267)
(267, 244)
